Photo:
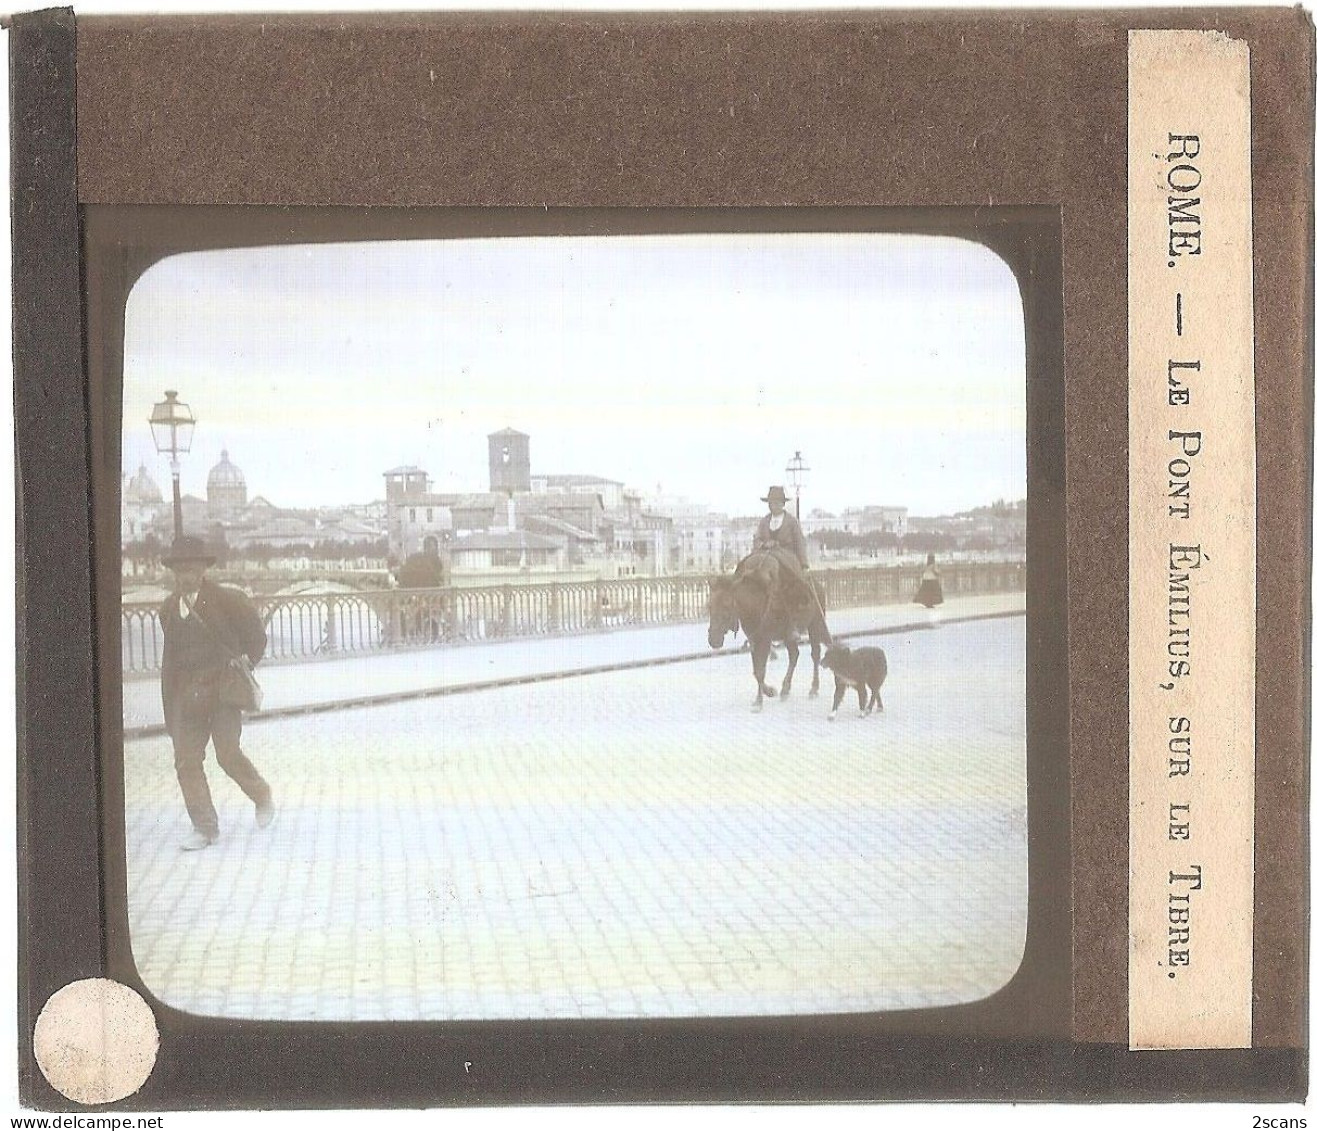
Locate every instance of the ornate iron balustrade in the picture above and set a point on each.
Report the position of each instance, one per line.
(346, 624)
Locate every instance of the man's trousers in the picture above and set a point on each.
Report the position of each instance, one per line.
(223, 724)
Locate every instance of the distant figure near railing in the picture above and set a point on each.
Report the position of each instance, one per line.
(338, 624)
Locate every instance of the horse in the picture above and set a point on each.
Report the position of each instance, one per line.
(751, 600)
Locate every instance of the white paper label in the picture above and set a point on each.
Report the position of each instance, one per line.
(1192, 552)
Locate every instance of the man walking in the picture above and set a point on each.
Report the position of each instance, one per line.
(208, 629)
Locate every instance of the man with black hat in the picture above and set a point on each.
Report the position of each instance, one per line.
(780, 530)
(779, 534)
(209, 629)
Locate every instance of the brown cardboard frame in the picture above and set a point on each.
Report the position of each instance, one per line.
(956, 111)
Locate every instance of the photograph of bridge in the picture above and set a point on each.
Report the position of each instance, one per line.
(477, 495)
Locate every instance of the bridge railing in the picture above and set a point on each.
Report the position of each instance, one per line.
(345, 624)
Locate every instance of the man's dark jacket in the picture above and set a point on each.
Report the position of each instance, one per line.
(788, 536)
(193, 653)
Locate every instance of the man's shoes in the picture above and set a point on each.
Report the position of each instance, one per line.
(265, 812)
(196, 840)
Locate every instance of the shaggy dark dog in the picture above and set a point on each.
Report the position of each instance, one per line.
(861, 668)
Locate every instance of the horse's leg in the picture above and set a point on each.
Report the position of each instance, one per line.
(793, 657)
(814, 651)
(759, 657)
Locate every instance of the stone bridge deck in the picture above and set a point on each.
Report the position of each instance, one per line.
(632, 843)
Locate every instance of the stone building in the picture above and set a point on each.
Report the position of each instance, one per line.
(226, 490)
(701, 544)
(231, 521)
(595, 523)
(507, 551)
(874, 520)
(611, 492)
(141, 504)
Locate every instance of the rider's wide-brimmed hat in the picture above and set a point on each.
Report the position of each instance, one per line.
(188, 548)
(775, 495)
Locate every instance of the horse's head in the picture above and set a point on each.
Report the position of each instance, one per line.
(723, 617)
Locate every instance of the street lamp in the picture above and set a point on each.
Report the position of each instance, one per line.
(171, 429)
(796, 469)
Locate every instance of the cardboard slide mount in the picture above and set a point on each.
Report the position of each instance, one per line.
(991, 116)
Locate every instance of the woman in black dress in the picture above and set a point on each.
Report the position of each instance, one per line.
(930, 585)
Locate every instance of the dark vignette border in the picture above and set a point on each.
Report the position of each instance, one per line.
(58, 849)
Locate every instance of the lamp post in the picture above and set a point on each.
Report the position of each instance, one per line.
(796, 469)
(171, 429)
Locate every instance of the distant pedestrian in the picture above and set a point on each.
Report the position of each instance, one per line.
(929, 593)
(209, 629)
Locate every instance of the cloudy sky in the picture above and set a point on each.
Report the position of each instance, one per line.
(701, 364)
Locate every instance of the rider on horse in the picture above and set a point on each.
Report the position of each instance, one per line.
(770, 598)
(780, 536)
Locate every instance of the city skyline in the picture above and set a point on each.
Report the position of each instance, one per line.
(681, 361)
(161, 477)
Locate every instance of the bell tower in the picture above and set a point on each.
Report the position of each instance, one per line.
(509, 461)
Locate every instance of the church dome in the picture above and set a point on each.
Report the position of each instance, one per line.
(226, 490)
(142, 488)
(225, 475)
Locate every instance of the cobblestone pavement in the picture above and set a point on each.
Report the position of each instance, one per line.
(630, 844)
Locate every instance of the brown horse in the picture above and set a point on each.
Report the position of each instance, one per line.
(757, 599)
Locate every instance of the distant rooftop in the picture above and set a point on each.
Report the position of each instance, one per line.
(478, 500)
(571, 480)
(561, 527)
(506, 540)
(570, 501)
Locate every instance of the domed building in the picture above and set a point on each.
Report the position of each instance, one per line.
(142, 489)
(226, 489)
(142, 502)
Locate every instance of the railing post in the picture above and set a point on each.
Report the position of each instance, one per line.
(555, 607)
(446, 626)
(392, 620)
(507, 610)
(331, 626)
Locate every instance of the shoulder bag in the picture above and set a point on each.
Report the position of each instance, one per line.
(238, 687)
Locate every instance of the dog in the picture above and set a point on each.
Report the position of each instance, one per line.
(861, 668)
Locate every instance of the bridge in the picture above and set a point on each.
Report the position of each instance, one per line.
(600, 827)
(333, 625)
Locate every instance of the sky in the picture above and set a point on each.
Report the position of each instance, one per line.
(697, 365)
